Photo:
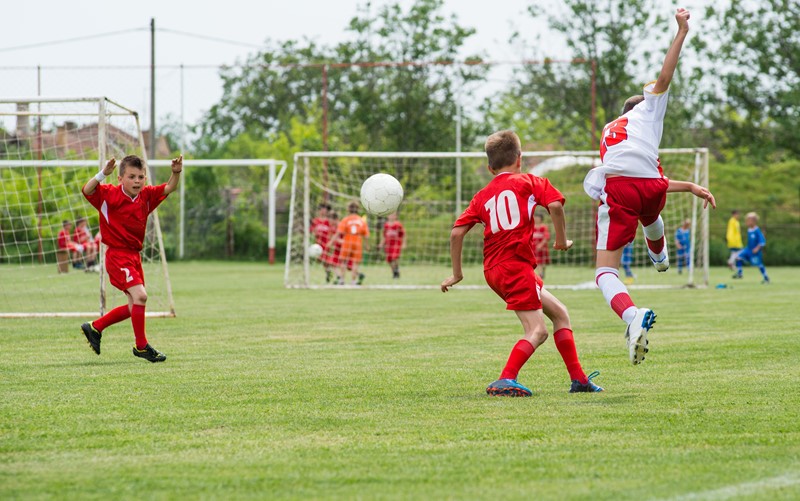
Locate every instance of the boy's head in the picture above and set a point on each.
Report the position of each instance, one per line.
(66, 224)
(81, 221)
(735, 213)
(334, 216)
(503, 149)
(631, 102)
(751, 218)
(352, 207)
(132, 175)
(392, 217)
(538, 218)
(687, 223)
(323, 209)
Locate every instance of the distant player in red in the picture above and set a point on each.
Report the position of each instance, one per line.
(123, 219)
(393, 241)
(540, 240)
(505, 208)
(66, 242)
(83, 236)
(631, 188)
(322, 229)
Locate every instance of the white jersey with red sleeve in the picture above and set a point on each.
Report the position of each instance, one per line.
(123, 219)
(505, 207)
(630, 143)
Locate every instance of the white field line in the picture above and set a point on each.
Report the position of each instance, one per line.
(743, 489)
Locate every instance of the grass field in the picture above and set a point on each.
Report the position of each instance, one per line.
(274, 394)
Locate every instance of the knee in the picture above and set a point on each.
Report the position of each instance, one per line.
(140, 298)
(536, 337)
(560, 317)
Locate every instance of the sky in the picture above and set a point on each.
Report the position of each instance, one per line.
(250, 23)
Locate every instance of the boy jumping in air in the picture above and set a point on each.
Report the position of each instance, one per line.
(632, 188)
(123, 219)
(505, 208)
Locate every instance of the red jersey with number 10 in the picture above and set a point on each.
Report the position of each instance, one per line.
(505, 207)
(123, 219)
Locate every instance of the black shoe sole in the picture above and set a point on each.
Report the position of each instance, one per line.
(89, 333)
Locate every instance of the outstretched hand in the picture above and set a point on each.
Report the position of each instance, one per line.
(708, 198)
(177, 164)
(682, 16)
(449, 282)
(110, 166)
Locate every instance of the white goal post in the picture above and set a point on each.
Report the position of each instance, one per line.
(438, 186)
(49, 148)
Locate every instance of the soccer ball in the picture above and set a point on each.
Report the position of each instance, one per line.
(381, 194)
(314, 250)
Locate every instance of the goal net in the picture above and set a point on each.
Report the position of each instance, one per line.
(50, 257)
(439, 186)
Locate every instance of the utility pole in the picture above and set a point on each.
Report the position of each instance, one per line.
(151, 154)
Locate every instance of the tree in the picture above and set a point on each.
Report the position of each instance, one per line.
(555, 98)
(757, 50)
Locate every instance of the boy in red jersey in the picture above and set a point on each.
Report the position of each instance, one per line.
(505, 208)
(632, 189)
(393, 241)
(322, 229)
(83, 236)
(123, 220)
(540, 239)
(65, 242)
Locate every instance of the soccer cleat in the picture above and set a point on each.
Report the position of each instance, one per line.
(589, 387)
(660, 264)
(636, 334)
(508, 388)
(360, 279)
(765, 281)
(92, 336)
(736, 276)
(149, 353)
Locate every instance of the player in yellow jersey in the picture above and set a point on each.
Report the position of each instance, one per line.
(734, 237)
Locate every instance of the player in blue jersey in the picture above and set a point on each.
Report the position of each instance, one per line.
(683, 244)
(755, 244)
(626, 262)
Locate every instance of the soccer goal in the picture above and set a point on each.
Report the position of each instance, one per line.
(439, 186)
(49, 148)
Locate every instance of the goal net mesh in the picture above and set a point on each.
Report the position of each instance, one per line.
(48, 150)
(439, 186)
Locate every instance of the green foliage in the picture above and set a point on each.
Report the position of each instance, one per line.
(759, 99)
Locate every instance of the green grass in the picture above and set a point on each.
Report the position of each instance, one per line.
(271, 394)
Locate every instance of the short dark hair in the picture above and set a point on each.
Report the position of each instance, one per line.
(502, 148)
(352, 207)
(734, 212)
(631, 102)
(132, 161)
(66, 222)
(325, 206)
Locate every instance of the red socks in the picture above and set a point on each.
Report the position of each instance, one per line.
(656, 246)
(519, 355)
(565, 343)
(620, 303)
(118, 314)
(137, 319)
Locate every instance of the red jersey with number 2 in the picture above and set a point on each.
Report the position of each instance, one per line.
(123, 219)
(505, 207)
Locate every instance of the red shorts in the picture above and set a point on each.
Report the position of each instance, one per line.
(517, 284)
(625, 202)
(392, 252)
(542, 256)
(124, 268)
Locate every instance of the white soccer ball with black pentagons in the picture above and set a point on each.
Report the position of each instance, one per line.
(381, 194)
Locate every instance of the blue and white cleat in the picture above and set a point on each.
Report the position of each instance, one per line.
(660, 261)
(636, 334)
(508, 388)
(589, 387)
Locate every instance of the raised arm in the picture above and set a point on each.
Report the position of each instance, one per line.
(177, 168)
(556, 210)
(694, 189)
(674, 52)
(456, 244)
(92, 184)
